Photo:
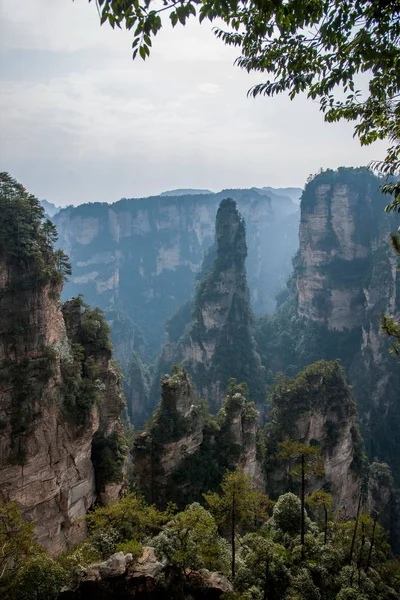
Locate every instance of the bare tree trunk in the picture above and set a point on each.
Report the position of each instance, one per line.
(371, 545)
(302, 499)
(359, 562)
(325, 525)
(233, 536)
(353, 541)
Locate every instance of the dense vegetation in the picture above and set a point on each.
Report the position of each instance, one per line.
(217, 451)
(81, 371)
(262, 553)
(29, 265)
(27, 240)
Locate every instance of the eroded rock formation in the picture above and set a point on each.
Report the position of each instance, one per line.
(185, 451)
(142, 255)
(317, 407)
(58, 389)
(345, 276)
(217, 340)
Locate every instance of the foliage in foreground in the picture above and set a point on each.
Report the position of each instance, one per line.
(338, 560)
(319, 48)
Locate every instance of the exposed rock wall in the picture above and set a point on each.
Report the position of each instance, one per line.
(176, 433)
(45, 458)
(345, 277)
(241, 426)
(142, 255)
(186, 452)
(342, 221)
(317, 407)
(383, 501)
(217, 342)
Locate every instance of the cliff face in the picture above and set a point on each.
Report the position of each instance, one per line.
(317, 407)
(218, 343)
(342, 222)
(58, 389)
(384, 501)
(185, 451)
(241, 427)
(345, 277)
(142, 255)
(46, 459)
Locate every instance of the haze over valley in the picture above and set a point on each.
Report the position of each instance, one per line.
(199, 301)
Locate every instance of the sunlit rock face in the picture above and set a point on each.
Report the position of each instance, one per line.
(142, 255)
(46, 460)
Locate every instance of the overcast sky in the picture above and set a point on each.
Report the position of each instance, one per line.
(80, 121)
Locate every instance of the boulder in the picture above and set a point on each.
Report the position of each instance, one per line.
(115, 566)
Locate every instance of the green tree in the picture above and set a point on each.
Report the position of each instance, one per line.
(321, 499)
(309, 462)
(129, 519)
(16, 541)
(63, 265)
(286, 515)
(39, 578)
(26, 239)
(234, 506)
(318, 47)
(262, 566)
(191, 541)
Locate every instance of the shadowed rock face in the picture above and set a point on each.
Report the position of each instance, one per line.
(318, 406)
(345, 276)
(46, 459)
(384, 501)
(217, 342)
(340, 223)
(182, 454)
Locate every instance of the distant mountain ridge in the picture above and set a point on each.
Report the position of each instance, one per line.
(185, 192)
(141, 256)
(294, 193)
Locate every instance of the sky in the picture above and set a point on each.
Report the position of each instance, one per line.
(81, 122)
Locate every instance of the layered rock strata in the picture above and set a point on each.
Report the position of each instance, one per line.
(46, 454)
(142, 255)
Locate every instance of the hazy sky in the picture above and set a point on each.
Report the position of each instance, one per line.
(80, 121)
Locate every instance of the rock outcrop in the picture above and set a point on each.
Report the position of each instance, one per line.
(383, 501)
(317, 407)
(241, 426)
(58, 388)
(217, 342)
(46, 462)
(345, 276)
(142, 255)
(120, 577)
(185, 451)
